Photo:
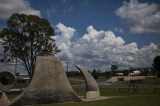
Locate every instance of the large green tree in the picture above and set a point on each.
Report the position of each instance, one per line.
(114, 68)
(156, 64)
(25, 37)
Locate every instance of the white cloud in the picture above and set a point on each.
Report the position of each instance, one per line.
(8, 7)
(64, 34)
(141, 17)
(63, 39)
(98, 49)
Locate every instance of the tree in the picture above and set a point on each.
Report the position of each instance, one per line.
(27, 36)
(156, 64)
(114, 67)
(108, 74)
(94, 74)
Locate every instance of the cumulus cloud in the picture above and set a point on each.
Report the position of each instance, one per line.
(63, 38)
(8, 7)
(141, 17)
(98, 49)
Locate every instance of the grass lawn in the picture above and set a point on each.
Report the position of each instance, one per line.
(143, 97)
(123, 92)
(117, 101)
(101, 79)
(76, 80)
(80, 80)
(153, 80)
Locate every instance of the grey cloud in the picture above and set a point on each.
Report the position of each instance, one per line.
(141, 17)
(8, 7)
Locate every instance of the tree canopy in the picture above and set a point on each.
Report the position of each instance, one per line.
(156, 64)
(27, 36)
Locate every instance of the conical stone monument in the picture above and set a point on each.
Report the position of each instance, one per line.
(4, 101)
(49, 84)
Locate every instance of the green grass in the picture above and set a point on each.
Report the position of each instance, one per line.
(80, 80)
(151, 81)
(144, 97)
(76, 81)
(123, 92)
(101, 79)
(117, 101)
(114, 92)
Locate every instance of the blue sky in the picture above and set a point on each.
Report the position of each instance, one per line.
(99, 13)
(98, 32)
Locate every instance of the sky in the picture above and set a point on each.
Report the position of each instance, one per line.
(98, 33)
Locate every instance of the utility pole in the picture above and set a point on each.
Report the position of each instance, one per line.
(16, 66)
(67, 65)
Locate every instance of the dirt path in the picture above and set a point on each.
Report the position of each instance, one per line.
(126, 78)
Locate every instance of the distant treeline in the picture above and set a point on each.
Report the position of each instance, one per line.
(149, 71)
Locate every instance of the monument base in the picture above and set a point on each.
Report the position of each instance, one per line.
(92, 94)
